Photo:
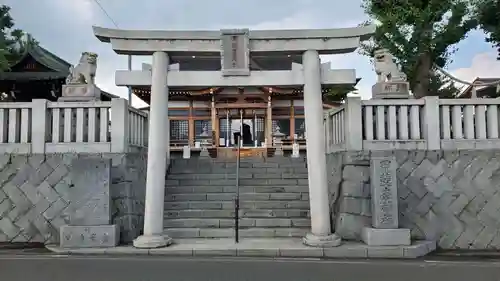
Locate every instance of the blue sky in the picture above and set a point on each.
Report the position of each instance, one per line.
(64, 27)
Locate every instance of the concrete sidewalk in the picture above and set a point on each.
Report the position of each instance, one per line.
(286, 247)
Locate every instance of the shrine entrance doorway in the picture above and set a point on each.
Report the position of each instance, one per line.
(245, 124)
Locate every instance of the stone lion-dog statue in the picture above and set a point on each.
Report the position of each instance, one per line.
(386, 68)
(84, 72)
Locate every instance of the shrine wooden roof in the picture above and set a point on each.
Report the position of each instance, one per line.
(144, 93)
(489, 91)
(37, 63)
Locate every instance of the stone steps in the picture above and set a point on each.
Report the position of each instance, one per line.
(243, 213)
(242, 182)
(232, 176)
(243, 222)
(277, 189)
(229, 205)
(228, 196)
(200, 193)
(253, 232)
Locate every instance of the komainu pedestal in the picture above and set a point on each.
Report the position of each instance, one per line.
(391, 90)
(89, 213)
(80, 92)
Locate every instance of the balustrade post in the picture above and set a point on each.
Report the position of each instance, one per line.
(328, 131)
(38, 125)
(431, 126)
(353, 124)
(119, 125)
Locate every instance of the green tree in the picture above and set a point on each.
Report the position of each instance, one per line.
(338, 93)
(419, 34)
(488, 15)
(13, 42)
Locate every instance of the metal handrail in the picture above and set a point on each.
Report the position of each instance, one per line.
(237, 197)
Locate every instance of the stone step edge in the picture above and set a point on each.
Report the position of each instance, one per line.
(267, 195)
(245, 223)
(241, 209)
(241, 201)
(228, 232)
(305, 186)
(243, 213)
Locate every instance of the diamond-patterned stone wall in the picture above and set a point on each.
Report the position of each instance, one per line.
(452, 197)
(34, 195)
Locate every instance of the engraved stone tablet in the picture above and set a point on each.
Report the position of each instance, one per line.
(235, 52)
(384, 192)
(89, 236)
(89, 195)
(391, 90)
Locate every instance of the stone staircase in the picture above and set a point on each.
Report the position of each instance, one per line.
(274, 198)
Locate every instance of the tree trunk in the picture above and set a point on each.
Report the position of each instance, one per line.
(422, 76)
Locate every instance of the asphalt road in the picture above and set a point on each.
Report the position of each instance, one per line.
(42, 267)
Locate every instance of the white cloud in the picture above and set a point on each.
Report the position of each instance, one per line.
(483, 65)
(363, 67)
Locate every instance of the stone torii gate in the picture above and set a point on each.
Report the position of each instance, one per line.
(235, 48)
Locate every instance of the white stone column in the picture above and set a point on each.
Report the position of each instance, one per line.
(157, 157)
(321, 233)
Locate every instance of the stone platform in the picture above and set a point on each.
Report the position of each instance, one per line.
(285, 247)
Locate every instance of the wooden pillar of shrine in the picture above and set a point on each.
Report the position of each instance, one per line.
(292, 121)
(191, 127)
(269, 122)
(214, 122)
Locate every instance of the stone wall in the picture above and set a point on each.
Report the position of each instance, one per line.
(34, 194)
(449, 196)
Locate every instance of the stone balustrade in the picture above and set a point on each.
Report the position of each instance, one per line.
(42, 126)
(413, 124)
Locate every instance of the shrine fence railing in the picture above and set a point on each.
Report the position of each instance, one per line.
(429, 123)
(42, 126)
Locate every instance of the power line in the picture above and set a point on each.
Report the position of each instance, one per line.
(106, 13)
(129, 56)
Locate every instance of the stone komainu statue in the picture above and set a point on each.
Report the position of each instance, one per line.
(386, 68)
(84, 72)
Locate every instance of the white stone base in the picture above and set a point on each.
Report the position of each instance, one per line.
(386, 237)
(96, 236)
(80, 92)
(391, 90)
(332, 240)
(152, 241)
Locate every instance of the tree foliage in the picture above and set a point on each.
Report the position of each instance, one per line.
(338, 93)
(488, 15)
(419, 34)
(13, 42)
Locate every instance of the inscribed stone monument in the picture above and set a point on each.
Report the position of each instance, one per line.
(385, 229)
(89, 196)
(89, 236)
(89, 213)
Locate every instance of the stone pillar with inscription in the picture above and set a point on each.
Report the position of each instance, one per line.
(88, 213)
(385, 229)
